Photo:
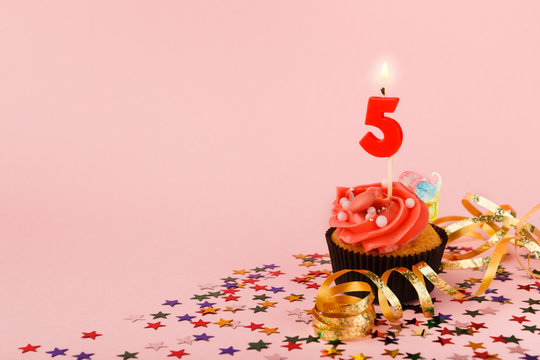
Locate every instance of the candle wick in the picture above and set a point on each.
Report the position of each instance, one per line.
(383, 91)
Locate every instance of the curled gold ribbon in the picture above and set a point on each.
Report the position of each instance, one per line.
(337, 315)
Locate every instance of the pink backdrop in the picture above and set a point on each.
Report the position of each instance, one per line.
(146, 147)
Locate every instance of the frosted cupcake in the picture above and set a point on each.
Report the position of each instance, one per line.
(370, 231)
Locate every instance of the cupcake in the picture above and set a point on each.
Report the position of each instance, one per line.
(373, 232)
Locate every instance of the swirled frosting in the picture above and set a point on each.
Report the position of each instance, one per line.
(364, 216)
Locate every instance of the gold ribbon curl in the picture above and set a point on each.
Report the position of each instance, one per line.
(337, 315)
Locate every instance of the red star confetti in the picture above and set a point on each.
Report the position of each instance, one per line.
(254, 327)
(291, 346)
(178, 353)
(90, 335)
(154, 326)
(200, 323)
(29, 347)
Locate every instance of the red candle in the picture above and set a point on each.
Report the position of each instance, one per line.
(392, 133)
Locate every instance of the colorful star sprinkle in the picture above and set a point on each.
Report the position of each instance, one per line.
(266, 309)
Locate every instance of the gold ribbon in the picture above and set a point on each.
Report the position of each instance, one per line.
(337, 315)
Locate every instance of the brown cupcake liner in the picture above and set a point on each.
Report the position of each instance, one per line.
(345, 259)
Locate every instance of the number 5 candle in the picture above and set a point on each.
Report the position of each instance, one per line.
(392, 133)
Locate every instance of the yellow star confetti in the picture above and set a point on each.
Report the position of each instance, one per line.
(392, 353)
(269, 331)
(267, 303)
(209, 310)
(331, 352)
(474, 280)
(240, 272)
(294, 297)
(475, 346)
(223, 322)
(233, 310)
(421, 333)
(360, 356)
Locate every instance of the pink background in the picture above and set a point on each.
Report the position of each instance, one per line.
(148, 147)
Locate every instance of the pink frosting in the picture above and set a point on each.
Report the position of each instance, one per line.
(405, 219)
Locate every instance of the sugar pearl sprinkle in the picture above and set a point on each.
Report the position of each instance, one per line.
(342, 216)
(344, 202)
(381, 221)
(409, 203)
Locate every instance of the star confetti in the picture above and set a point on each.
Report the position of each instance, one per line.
(259, 345)
(156, 346)
(29, 347)
(230, 350)
(56, 351)
(90, 335)
(178, 353)
(127, 355)
(233, 315)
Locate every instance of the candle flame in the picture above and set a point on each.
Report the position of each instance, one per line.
(384, 71)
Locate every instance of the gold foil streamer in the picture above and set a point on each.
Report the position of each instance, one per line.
(337, 315)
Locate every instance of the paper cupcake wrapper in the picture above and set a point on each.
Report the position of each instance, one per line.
(345, 259)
